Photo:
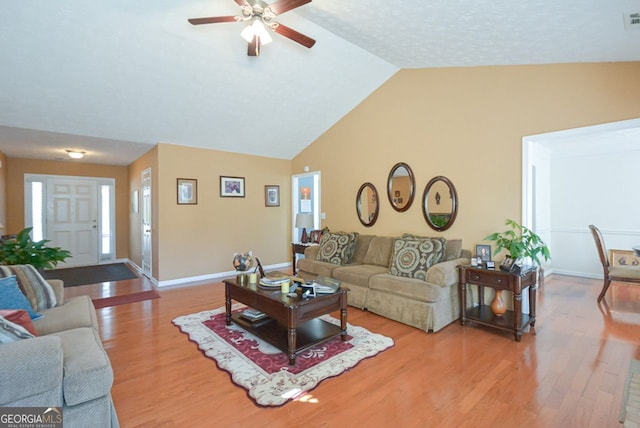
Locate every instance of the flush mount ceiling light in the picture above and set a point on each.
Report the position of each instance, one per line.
(259, 15)
(75, 154)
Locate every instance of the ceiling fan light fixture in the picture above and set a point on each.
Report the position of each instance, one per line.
(256, 29)
(75, 154)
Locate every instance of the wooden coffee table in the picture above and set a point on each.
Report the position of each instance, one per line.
(293, 324)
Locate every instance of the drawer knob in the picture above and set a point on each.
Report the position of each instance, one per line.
(499, 281)
(476, 277)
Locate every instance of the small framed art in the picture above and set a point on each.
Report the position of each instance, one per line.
(271, 195)
(507, 264)
(484, 252)
(187, 191)
(231, 187)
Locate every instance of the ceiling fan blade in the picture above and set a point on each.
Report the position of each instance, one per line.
(213, 20)
(254, 47)
(282, 6)
(241, 2)
(292, 34)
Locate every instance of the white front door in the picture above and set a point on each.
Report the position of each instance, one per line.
(146, 222)
(72, 218)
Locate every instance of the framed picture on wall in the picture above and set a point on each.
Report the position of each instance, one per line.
(271, 195)
(187, 191)
(231, 187)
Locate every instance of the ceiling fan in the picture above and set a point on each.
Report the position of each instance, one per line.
(260, 15)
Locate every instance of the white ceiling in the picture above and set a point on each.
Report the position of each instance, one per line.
(116, 77)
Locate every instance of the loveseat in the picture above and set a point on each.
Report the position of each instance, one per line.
(65, 365)
(409, 279)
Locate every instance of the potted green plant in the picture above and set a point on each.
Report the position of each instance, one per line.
(22, 250)
(520, 242)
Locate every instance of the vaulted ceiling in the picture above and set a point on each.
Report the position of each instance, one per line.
(116, 77)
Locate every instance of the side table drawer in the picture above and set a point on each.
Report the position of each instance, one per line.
(490, 279)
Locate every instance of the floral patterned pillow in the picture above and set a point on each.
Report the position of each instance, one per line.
(336, 248)
(412, 257)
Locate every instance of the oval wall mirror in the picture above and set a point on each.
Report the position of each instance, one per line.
(367, 204)
(401, 187)
(440, 203)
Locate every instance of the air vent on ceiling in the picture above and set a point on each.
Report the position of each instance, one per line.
(632, 21)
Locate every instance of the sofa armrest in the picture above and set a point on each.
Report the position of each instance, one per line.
(445, 274)
(58, 290)
(30, 367)
(311, 252)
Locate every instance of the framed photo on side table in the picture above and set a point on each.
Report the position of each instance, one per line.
(507, 264)
(231, 187)
(271, 195)
(187, 191)
(484, 252)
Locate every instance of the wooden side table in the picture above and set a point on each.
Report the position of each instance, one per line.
(514, 320)
(298, 248)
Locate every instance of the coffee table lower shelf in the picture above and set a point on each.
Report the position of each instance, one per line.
(309, 334)
(484, 315)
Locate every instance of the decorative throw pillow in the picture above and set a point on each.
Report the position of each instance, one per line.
(443, 241)
(337, 248)
(37, 290)
(12, 332)
(12, 298)
(412, 257)
(20, 317)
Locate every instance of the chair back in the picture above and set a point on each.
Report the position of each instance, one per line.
(602, 250)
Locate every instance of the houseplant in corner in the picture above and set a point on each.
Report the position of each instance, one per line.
(521, 243)
(22, 250)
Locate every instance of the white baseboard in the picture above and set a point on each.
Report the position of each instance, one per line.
(575, 273)
(215, 276)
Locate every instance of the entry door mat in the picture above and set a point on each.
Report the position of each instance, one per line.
(263, 370)
(91, 274)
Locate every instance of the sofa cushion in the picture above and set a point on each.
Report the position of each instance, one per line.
(12, 332)
(87, 370)
(315, 268)
(379, 251)
(12, 298)
(411, 288)
(358, 274)
(20, 317)
(362, 243)
(412, 257)
(337, 248)
(37, 290)
(75, 313)
(453, 249)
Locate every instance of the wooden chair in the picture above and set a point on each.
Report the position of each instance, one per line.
(612, 273)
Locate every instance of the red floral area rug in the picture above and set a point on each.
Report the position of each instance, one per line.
(263, 370)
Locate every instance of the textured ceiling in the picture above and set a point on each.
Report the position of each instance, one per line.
(116, 77)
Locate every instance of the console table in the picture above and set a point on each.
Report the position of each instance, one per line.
(298, 248)
(512, 320)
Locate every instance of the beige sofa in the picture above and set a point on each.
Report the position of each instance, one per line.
(428, 304)
(65, 365)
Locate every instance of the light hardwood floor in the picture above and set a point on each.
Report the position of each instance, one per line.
(570, 373)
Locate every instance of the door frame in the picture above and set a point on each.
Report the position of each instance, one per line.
(100, 181)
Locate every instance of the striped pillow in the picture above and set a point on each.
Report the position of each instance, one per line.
(12, 332)
(37, 290)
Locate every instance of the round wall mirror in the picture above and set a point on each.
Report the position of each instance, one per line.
(401, 187)
(367, 204)
(440, 203)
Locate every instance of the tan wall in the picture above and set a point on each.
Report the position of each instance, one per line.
(466, 124)
(17, 168)
(149, 160)
(200, 239)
